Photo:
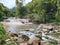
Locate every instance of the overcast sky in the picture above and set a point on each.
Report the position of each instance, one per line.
(11, 3)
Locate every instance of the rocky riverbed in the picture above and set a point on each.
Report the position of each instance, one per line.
(29, 31)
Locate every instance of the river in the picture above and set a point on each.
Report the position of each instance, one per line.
(18, 27)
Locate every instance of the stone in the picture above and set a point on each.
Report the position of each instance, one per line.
(34, 41)
(23, 43)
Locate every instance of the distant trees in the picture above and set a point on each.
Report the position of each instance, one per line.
(20, 9)
(3, 11)
(43, 10)
(50, 10)
(12, 12)
(33, 9)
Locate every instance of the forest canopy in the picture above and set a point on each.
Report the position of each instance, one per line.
(43, 11)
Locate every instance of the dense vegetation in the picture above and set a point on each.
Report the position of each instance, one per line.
(2, 35)
(5, 12)
(43, 11)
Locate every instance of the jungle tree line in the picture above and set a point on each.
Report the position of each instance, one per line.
(6, 12)
(40, 10)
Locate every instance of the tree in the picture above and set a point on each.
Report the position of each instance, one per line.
(12, 12)
(58, 12)
(45, 9)
(20, 9)
(3, 11)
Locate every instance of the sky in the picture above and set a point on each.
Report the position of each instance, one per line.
(11, 3)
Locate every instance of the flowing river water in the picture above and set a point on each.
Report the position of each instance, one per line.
(17, 27)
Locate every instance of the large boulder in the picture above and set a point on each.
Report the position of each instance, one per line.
(34, 41)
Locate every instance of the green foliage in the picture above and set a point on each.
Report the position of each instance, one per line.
(2, 30)
(44, 9)
(2, 35)
(12, 12)
(20, 9)
(13, 44)
(58, 18)
(3, 11)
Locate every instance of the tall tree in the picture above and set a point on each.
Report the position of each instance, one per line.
(3, 11)
(58, 12)
(20, 10)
